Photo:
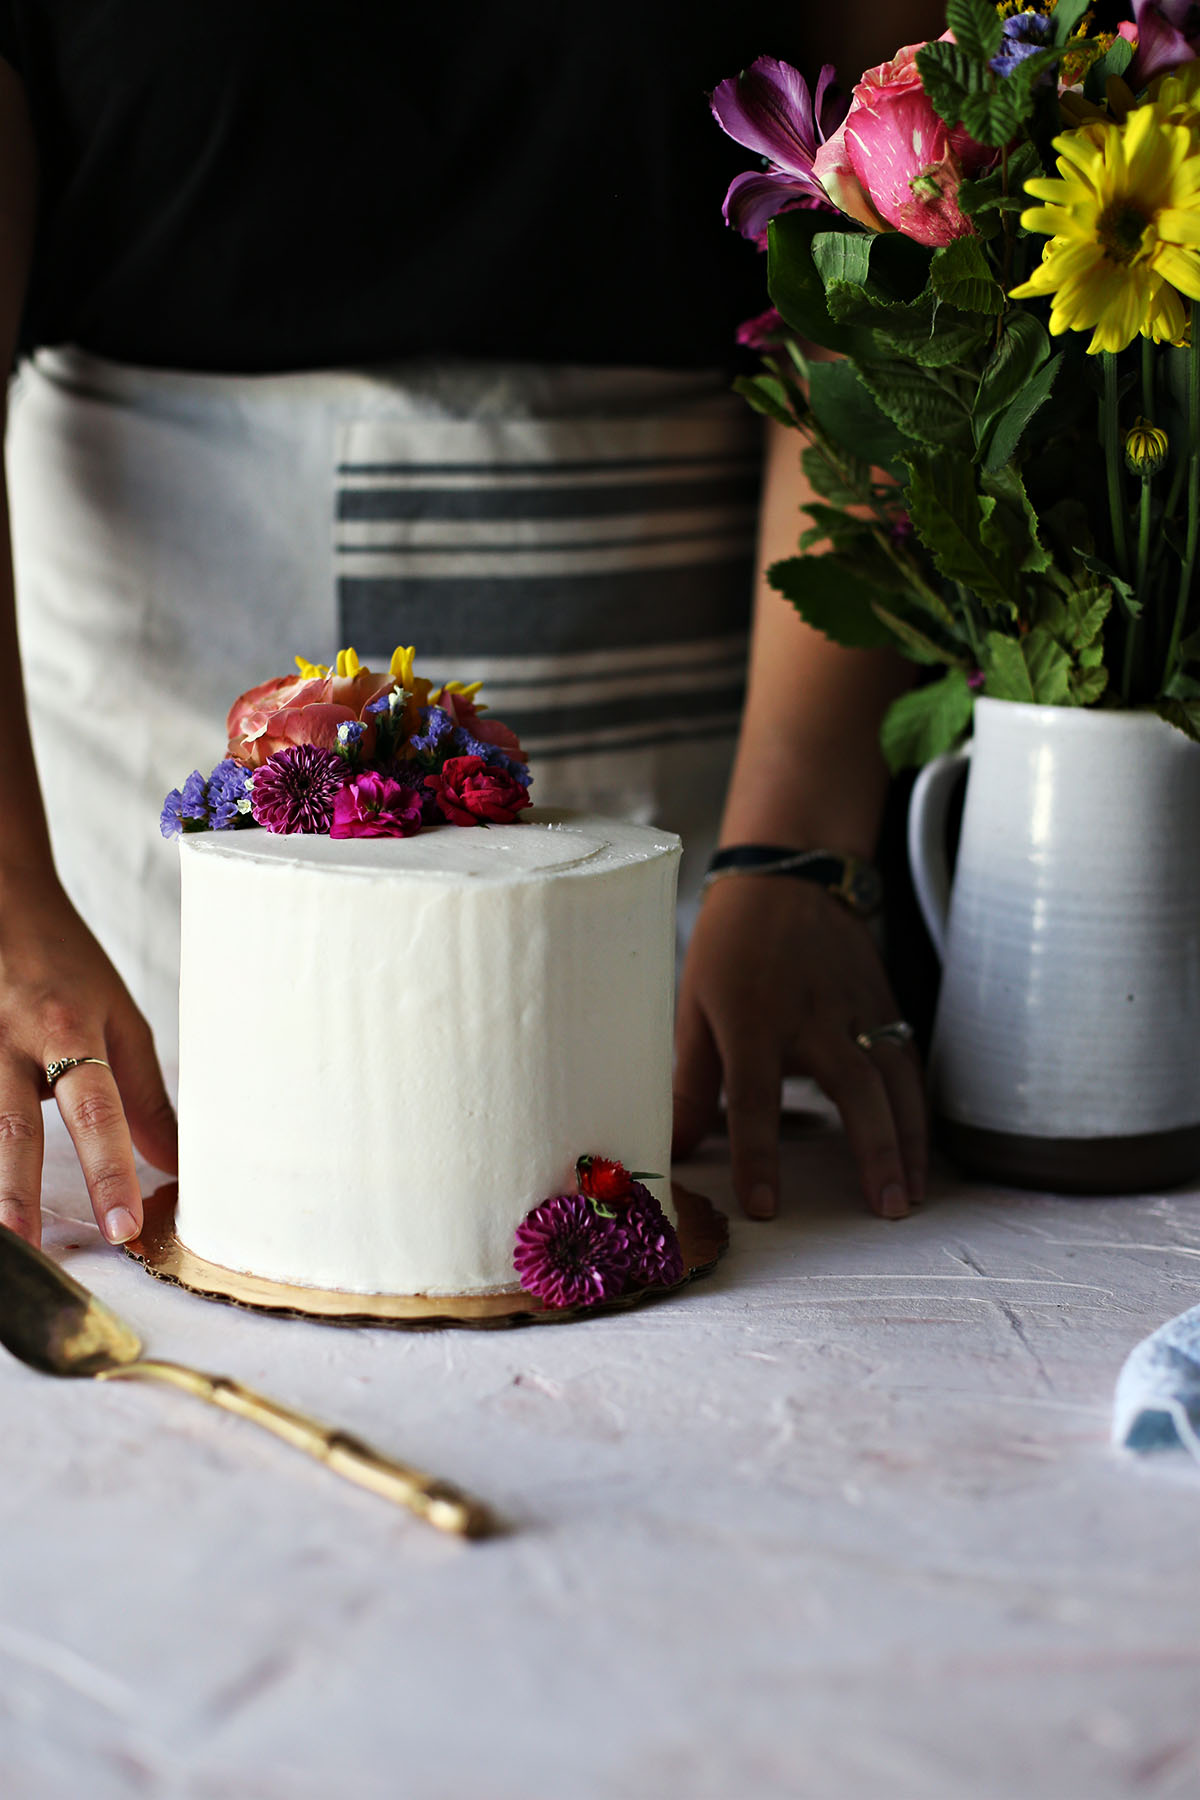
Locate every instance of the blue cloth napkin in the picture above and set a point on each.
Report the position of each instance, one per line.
(1157, 1402)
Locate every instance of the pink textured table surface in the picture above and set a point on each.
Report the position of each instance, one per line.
(840, 1524)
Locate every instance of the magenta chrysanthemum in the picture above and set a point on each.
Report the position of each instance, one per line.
(294, 790)
(655, 1257)
(568, 1255)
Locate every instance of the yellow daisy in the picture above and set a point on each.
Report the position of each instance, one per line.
(1124, 227)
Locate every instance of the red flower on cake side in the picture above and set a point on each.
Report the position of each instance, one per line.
(472, 792)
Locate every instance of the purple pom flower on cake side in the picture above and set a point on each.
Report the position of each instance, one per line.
(567, 1255)
(656, 1259)
(295, 789)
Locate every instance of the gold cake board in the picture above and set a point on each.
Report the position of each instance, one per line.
(703, 1239)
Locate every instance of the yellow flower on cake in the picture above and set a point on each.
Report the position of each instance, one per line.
(1123, 219)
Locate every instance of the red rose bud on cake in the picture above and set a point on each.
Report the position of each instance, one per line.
(373, 806)
(470, 791)
(601, 1179)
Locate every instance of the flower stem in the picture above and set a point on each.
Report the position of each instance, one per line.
(1110, 432)
(1193, 509)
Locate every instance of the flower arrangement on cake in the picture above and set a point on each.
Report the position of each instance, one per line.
(350, 752)
(982, 270)
(608, 1239)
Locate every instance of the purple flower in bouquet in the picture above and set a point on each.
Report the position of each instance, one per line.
(295, 789)
(1025, 33)
(567, 1255)
(436, 726)
(656, 1259)
(229, 795)
(769, 108)
(186, 809)
(1167, 34)
(373, 806)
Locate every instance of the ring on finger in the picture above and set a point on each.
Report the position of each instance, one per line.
(61, 1064)
(897, 1031)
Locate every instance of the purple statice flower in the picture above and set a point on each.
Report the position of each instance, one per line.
(382, 705)
(1025, 33)
(769, 108)
(1167, 33)
(656, 1259)
(186, 810)
(295, 789)
(228, 795)
(350, 734)
(436, 724)
(567, 1255)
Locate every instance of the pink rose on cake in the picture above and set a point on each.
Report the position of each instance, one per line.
(894, 163)
(372, 806)
(471, 792)
(294, 709)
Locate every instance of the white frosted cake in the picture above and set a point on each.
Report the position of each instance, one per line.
(391, 1049)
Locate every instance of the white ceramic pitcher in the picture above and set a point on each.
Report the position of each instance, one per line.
(1066, 1048)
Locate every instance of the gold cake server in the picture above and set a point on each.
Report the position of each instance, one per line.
(52, 1323)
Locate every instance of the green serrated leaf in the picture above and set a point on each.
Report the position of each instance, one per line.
(831, 596)
(847, 485)
(1011, 531)
(918, 404)
(948, 515)
(1049, 667)
(833, 525)
(1129, 603)
(842, 256)
(1115, 61)
(1011, 425)
(940, 339)
(1023, 346)
(976, 27)
(1006, 673)
(1182, 713)
(927, 721)
(962, 277)
(1066, 16)
(794, 282)
(990, 192)
(846, 412)
(949, 77)
(912, 641)
(767, 395)
(1088, 685)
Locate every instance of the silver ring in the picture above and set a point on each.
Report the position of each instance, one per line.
(63, 1063)
(898, 1032)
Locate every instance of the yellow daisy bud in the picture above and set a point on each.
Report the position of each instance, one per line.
(1145, 448)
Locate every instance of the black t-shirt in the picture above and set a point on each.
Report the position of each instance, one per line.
(257, 185)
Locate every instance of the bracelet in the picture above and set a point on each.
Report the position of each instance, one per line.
(849, 879)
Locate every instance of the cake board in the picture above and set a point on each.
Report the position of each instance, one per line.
(703, 1239)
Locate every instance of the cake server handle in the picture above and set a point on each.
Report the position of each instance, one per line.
(437, 1502)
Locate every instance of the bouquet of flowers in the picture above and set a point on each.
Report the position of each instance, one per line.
(351, 752)
(982, 272)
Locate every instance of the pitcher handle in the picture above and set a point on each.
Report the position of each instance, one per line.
(930, 864)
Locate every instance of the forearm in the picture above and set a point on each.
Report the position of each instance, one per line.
(809, 770)
(24, 840)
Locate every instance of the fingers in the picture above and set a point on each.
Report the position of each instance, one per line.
(853, 1081)
(697, 1081)
(753, 1081)
(91, 1107)
(21, 1159)
(144, 1096)
(900, 1071)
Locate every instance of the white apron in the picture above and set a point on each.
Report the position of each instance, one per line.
(581, 540)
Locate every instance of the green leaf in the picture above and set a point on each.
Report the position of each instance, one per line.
(832, 524)
(847, 485)
(842, 256)
(1007, 674)
(949, 516)
(912, 641)
(1115, 61)
(926, 721)
(976, 27)
(919, 405)
(988, 192)
(1023, 347)
(1066, 17)
(1011, 425)
(1130, 605)
(962, 276)
(846, 412)
(832, 597)
(767, 395)
(937, 339)
(1183, 713)
(1049, 667)
(949, 76)
(1011, 530)
(794, 282)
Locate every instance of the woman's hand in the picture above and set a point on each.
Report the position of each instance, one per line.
(779, 979)
(60, 996)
